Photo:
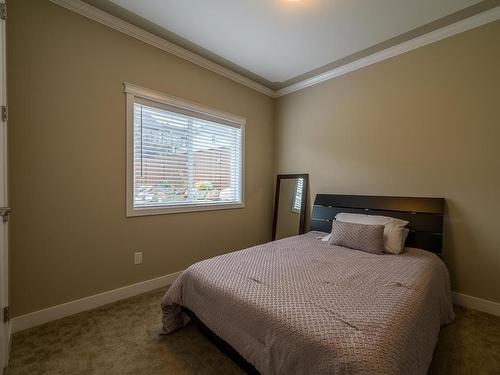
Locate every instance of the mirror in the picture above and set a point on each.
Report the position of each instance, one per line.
(290, 205)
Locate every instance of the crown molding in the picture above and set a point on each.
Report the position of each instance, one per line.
(115, 23)
(118, 24)
(420, 41)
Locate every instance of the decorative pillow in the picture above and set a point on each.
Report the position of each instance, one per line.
(395, 232)
(369, 238)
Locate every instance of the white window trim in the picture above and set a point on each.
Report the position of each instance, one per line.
(132, 91)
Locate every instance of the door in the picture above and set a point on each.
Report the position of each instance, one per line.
(4, 211)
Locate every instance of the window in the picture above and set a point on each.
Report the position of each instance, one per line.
(181, 156)
(297, 197)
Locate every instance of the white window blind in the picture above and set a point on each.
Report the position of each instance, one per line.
(297, 199)
(184, 159)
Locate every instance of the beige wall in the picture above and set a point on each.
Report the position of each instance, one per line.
(69, 236)
(426, 123)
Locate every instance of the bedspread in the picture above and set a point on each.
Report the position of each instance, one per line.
(303, 306)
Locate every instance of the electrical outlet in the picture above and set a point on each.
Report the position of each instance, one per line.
(138, 257)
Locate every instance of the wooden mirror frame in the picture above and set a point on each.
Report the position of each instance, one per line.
(303, 203)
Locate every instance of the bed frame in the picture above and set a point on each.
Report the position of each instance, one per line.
(425, 217)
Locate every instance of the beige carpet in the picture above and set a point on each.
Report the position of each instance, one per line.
(122, 338)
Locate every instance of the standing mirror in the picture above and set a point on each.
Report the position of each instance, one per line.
(290, 205)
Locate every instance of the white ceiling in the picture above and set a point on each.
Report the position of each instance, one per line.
(281, 39)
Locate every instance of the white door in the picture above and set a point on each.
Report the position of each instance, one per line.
(4, 276)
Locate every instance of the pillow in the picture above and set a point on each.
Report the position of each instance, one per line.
(395, 232)
(369, 238)
(370, 219)
(403, 239)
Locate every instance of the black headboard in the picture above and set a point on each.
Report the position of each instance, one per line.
(425, 215)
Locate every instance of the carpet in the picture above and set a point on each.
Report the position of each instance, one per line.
(122, 338)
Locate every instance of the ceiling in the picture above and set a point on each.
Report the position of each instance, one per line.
(279, 41)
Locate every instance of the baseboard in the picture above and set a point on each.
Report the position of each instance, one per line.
(476, 303)
(36, 318)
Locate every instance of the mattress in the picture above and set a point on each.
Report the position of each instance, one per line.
(302, 306)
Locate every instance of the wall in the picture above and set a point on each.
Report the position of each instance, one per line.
(425, 123)
(69, 235)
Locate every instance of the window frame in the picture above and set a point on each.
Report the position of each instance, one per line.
(132, 92)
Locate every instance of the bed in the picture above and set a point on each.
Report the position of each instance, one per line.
(302, 306)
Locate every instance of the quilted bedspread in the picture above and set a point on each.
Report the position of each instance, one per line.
(303, 306)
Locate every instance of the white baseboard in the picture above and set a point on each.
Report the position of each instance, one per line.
(476, 303)
(36, 318)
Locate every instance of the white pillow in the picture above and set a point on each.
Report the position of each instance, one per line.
(395, 232)
(403, 239)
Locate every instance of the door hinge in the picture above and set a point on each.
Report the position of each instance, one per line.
(5, 113)
(3, 11)
(5, 213)
(6, 314)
